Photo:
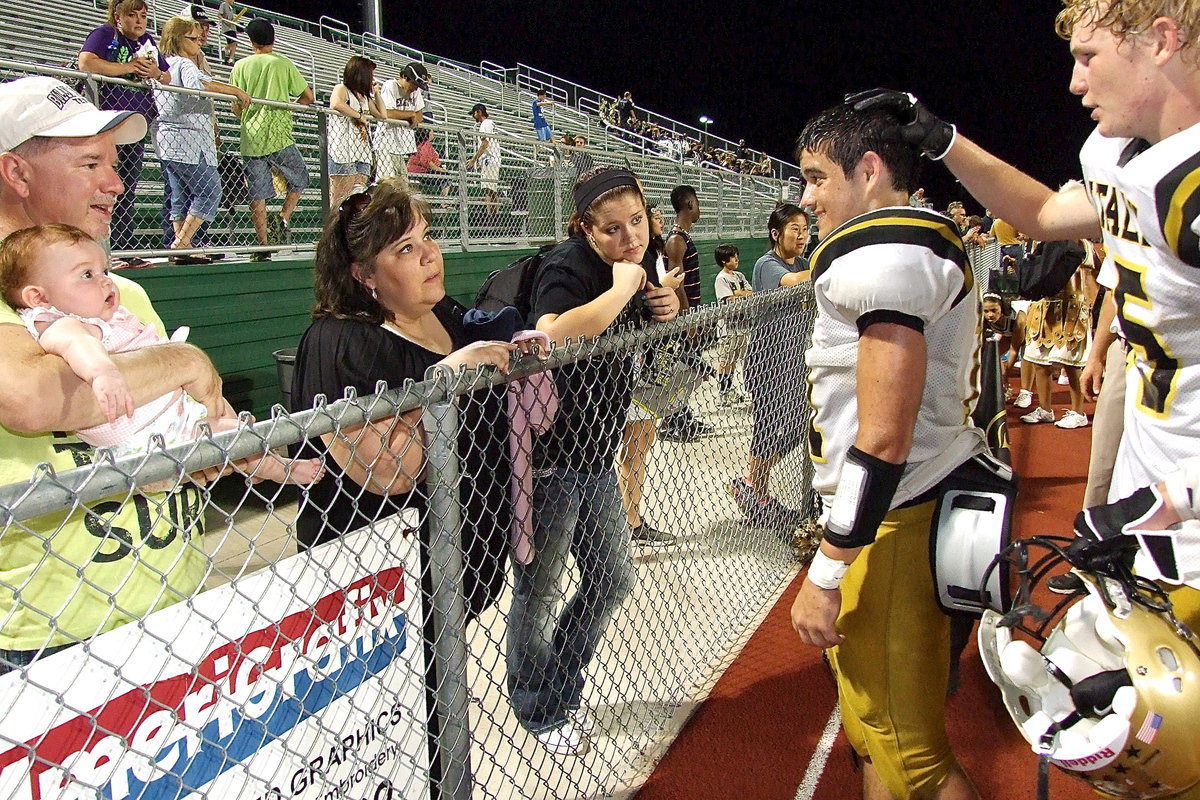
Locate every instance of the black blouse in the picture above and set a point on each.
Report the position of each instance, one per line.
(337, 353)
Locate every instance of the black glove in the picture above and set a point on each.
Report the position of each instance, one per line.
(1101, 546)
(1112, 557)
(1114, 519)
(918, 126)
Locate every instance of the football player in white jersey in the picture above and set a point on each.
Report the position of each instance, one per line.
(1137, 71)
(893, 371)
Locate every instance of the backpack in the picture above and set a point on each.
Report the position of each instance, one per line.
(1045, 273)
(513, 285)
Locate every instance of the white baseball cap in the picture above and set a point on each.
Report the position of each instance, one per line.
(43, 106)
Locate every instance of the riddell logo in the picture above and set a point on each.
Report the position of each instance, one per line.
(1091, 762)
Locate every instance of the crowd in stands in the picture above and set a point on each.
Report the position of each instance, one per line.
(621, 119)
(375, 132)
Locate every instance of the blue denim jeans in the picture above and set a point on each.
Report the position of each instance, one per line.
(12, 660)
(195, 189)
(579, 514)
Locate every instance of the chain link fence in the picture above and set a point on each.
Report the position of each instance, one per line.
(387, 631)
(207, 182)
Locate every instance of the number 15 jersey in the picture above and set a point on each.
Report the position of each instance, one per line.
(1148, 200)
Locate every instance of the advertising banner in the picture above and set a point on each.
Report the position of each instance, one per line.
(303, 680)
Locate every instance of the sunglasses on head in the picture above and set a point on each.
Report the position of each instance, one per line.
(353, 203)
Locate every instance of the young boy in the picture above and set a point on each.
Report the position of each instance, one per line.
(731, 286)
(57, 277)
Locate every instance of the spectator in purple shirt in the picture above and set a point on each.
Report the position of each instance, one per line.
(122, 48)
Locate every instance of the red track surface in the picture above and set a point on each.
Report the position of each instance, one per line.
(755, 736)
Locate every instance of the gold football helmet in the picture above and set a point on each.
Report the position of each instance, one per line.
(1105, 684)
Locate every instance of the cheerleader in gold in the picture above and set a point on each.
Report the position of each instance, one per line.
(1058, 334)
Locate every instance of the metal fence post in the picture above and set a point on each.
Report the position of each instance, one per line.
(463, 215)
(720, 206)
(323, 138)
(447, 606)
(557, 174)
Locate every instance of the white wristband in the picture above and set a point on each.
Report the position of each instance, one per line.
(825, 572)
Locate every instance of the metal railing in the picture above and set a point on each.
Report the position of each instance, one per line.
(327, 641)
(335, 27)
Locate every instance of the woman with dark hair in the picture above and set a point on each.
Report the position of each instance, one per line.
(382, 314)
(589, 284)
(773, 371)
(356, 99)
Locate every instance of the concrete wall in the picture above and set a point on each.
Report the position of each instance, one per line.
(240, 313)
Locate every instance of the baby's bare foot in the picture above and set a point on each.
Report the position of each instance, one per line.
(300, 471)
(305, 472)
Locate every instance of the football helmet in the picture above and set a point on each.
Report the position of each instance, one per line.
(1105, 684)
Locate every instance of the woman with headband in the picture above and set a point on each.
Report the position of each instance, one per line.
(589, 284)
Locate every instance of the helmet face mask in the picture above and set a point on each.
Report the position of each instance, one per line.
(1105, 685)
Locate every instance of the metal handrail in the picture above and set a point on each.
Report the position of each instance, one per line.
(326, 21)
(524, 84)
(395, 47)
(295, 22)
(491, 66)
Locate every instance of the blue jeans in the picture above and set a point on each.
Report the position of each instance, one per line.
(581, 514)
(195, 189)
(12, 660)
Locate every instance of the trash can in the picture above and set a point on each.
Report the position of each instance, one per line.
(285, 366)
(540, 222)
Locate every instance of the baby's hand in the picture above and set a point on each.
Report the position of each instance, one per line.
(113, 395)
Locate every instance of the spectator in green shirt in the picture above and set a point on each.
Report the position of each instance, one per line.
(267, 142)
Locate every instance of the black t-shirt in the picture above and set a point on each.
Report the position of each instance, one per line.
(691, 267)
(625, 111)
(336, 353)
(593, 394)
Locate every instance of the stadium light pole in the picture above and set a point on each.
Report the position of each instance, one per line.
(706, 120)
(373, 16)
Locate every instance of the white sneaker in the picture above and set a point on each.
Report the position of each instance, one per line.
(583, 721)
(1039, 414)
(1024, 399)
(1062, 380)
(1072, 419)
(565, 740)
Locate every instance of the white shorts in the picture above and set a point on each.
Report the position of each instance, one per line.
(392, 165)
(489, 174)
(639, 413)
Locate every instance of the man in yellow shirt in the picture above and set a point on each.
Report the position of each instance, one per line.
(68, 576)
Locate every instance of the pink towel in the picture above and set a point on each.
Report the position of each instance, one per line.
(532, 404)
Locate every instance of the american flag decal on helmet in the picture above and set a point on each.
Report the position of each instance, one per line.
(1150, 727)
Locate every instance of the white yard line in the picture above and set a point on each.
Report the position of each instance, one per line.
(816, 766)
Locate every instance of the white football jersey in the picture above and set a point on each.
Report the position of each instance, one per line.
(904, 265)
(1148, 201)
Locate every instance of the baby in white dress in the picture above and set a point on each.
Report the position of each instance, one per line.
(57, 278)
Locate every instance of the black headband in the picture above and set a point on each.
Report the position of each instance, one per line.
(587, 192)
